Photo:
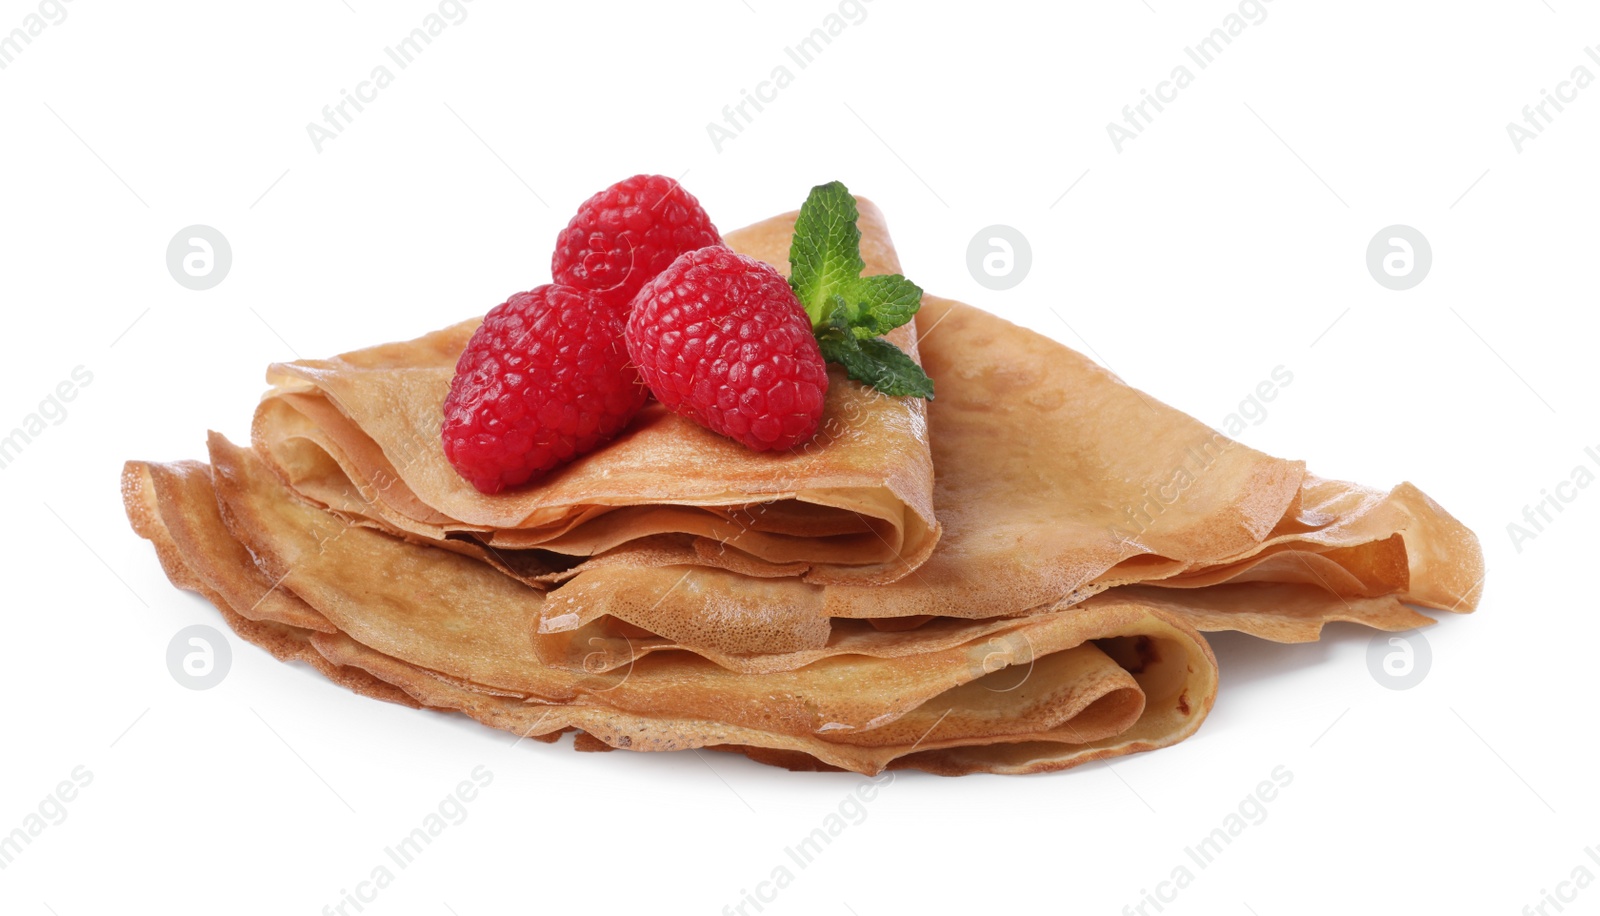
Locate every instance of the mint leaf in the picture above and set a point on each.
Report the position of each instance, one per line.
(881, 303)
(879, 363)
(849, 312)
(826, 251)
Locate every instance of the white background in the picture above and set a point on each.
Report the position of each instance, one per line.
(1227, 240)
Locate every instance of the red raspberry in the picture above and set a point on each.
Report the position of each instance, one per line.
(627, 234)
(543, 380)
(720, 338)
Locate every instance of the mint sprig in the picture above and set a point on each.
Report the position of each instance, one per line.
(850, 313)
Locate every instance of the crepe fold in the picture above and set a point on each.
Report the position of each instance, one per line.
(359, 433)
(675, 591)
(443, 630)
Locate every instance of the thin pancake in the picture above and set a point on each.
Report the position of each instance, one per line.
(1042, 525)
(432, 610)
(1024, 642)
(854, 504)
(1055, 482)
(155, 508)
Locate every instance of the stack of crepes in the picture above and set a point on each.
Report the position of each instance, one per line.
(1012, 578)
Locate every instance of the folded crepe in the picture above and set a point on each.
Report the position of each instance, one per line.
(359, 434)
(1089, 534)
(1055, 482)
(379, 614)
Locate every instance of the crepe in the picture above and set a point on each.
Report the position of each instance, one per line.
(1108, 677)
(1055, 482)
(359, 433)
(192, 532)
(1086, 535)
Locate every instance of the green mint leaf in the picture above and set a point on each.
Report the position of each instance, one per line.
(826, 251)
(881, 303)
(879, 363)
(849, 312)
(835, 323)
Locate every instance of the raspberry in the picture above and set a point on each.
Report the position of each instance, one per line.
(627, 234)
(721, 339)
(543, 380)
